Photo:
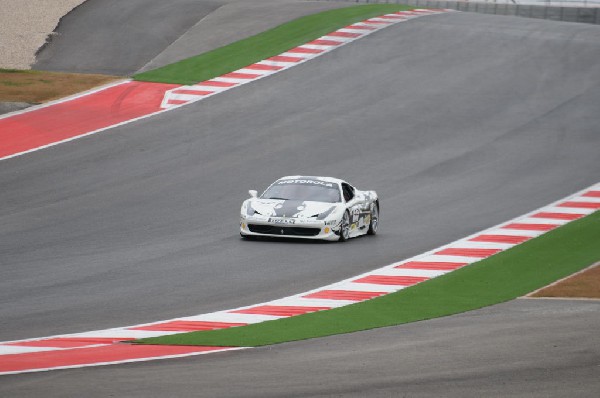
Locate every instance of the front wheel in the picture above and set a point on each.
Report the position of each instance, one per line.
(374, 224)
(345, 227)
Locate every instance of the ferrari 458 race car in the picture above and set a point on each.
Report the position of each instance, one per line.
(310, 208)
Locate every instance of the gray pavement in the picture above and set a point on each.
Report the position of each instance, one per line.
(118, 37)
(6, 107)
(459, 121)
(524, 348)
(235, 21)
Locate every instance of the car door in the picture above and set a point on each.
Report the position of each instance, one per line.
(355, 203)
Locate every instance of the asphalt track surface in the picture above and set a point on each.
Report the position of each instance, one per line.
(118, 37)
(459, 121)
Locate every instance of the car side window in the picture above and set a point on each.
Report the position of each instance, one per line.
(348, 192)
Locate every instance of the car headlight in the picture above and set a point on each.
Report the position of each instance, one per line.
(327, 213)
(251, 210)
(333, 219)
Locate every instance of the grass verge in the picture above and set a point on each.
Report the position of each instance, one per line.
(500, 278)
(36, 87)
(264, 45)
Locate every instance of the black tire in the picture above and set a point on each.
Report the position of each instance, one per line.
(345, 227)
(374, 224)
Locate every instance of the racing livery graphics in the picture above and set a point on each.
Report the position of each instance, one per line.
(323, 208)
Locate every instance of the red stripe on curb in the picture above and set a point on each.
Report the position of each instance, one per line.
(592, 194)
(377, 22)
(188, 326)
(68, 342)
(431, 265)
(177, 102)
(351, 295)
(93, 355)
(263, 67)
(344, 34)
(581, 205)
(302, 50)
(558, 216)
(238, 75)
(215, 83)
(279, 310)
(468, 252)
(530, 227)
(391, 280)
(79, 116)
(284, 58)
(392, 17)
(323, 42)
(192, 92)
(410, 13)
(514, 239)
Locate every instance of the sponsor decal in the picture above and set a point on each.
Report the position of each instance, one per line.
(306, 182)
(282, 220)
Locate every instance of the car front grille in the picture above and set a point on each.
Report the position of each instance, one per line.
(279, 230)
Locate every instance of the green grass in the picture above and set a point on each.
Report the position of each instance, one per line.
(264, 45)
(17, 71)
(505, 276)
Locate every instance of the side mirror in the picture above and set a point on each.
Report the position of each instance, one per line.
(253, 193)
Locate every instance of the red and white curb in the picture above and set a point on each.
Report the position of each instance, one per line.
(109, 346)
(187, 94)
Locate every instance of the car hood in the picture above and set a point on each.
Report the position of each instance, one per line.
(292, 208)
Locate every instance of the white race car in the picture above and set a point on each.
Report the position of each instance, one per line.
(310, 208)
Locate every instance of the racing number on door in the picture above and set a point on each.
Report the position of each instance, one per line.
(355, 214)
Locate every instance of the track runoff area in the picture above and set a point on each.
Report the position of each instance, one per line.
(127, 101)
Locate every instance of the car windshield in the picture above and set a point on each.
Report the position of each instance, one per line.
(311, 190)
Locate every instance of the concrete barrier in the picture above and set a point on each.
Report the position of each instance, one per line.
(569, 14)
